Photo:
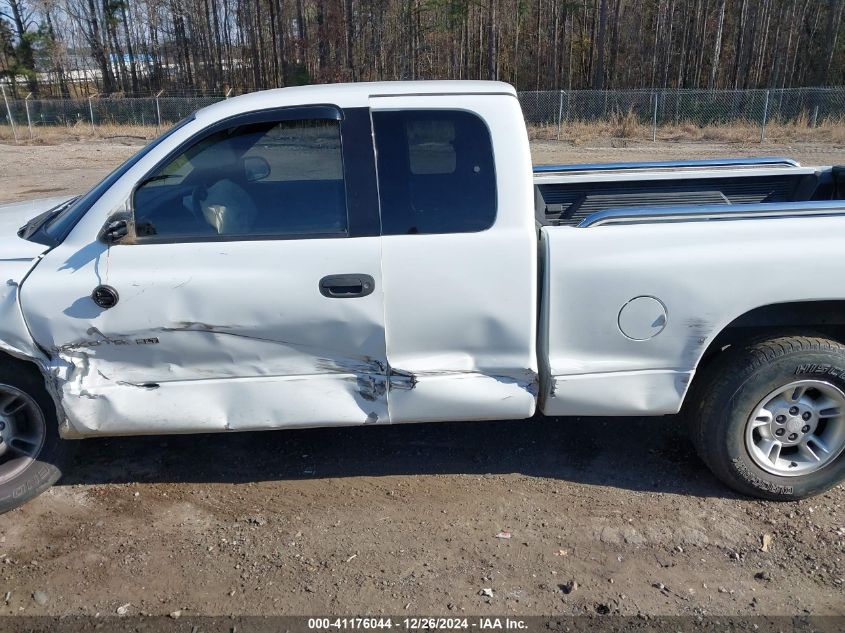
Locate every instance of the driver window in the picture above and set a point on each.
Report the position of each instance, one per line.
(269, 179)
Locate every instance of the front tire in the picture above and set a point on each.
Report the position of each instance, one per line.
(32, 455)
(770, 420)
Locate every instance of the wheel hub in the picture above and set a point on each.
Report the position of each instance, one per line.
(792, 423)
(798, 428)
(22, 431)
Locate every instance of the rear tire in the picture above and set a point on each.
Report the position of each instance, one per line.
(32, 455)
(769, 420)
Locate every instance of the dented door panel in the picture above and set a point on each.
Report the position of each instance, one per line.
(463, 395)
(231, 327)
(212, 336)
(461, 307)
(465, 338)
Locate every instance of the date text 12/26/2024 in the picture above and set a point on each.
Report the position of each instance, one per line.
(417, 623)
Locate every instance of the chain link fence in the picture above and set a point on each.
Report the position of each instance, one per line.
(810, 107)
(548, 113)
(28, 116)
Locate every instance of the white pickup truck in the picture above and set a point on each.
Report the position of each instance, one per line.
(385, 253)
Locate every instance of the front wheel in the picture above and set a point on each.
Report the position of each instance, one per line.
(32, 455)
(770, 421)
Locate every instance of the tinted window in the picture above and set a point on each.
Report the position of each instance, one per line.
(257, 180)
(435, 172)
(59, 228)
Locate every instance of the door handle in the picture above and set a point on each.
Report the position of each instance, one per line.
(346, 286)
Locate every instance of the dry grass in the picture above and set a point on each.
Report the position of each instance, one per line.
(55, 134)
(622, 126)
(628, 126)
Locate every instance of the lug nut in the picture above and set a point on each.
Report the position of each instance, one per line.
(780, 419)
(779, 432)
(792, 437)
(805, 428)
(793, 411)
(2, 425)
(807, 415)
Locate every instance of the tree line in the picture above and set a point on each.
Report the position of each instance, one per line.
(80, 47)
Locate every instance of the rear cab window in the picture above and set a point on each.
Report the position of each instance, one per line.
(436, 172)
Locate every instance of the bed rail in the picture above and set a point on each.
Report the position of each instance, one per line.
(766, 161)
(709, 213)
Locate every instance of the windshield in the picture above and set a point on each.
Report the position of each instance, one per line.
(57, 229)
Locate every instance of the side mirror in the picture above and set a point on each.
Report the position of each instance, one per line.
(114, 230)
(255, 168)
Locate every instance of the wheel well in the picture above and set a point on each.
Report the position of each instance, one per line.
(801, 317)
(19, 364)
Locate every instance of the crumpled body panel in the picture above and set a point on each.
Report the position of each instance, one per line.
(14, 337)
(211, 336)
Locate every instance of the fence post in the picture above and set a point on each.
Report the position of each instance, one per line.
(228, 92)
(654, 120)
(28, 120)
(765, 116)
(559, 114)
(91, 112)
(9, 112)
(158, 113)
(568, 104)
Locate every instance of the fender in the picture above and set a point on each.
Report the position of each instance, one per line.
(19, 258)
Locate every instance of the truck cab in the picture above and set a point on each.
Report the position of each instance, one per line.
(308, 256)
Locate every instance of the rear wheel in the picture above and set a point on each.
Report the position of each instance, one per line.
(32, 455)
(770, 419)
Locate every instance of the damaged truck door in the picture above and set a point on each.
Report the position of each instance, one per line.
(245, 294)
(459, 258)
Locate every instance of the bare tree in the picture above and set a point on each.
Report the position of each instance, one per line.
(210, 45)
(717, 45)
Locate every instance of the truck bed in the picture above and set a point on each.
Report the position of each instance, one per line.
(567, 195)
(642, 271)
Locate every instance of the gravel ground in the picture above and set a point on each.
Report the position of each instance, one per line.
(604, 515)
(49, 170)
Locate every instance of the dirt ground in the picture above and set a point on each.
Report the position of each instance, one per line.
(32, 171)
(605, 515)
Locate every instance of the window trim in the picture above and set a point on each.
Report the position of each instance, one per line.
(325, 112)
(376, 111)
(362, 195)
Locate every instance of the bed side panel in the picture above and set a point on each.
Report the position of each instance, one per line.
(703, 274)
